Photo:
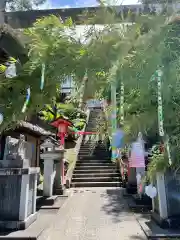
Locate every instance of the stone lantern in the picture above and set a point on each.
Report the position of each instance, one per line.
(52, 168)
(62, 125)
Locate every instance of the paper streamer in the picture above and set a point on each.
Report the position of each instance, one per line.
(160, 110)
(42, 76)
(11, 71)
(113, 120)
(158, 75)
(138, 178)
(122, 103)
(140, 188)
(151, 191)
(1, 118)
(27, 100)
(81, 92)
(137, 159)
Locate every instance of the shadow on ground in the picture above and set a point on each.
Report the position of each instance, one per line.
(115, 205)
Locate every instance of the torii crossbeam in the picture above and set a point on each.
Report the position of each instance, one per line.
(27, 18)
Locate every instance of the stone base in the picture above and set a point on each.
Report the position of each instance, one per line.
(144, 200)
(169, 223)
(18, 225)
(60, 191)
(46, 201)
(50, 200)
(131, 188)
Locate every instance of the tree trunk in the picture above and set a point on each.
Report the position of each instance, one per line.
(2, 11)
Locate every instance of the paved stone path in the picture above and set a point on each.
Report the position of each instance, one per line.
(94, 214)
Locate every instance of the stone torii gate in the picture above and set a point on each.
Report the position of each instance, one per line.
(25, 19)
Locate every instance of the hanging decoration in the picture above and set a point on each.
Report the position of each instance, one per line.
(138, 178)
(1, 118)
(160, 110)
(11, 71)
(9, 64)
(82, 92)
(151, 191)
(158, 74)
(27, 100)
(168, 150)
(137, 158)
(113, 120)
(140, 188)
(122, 103)
(42, 76)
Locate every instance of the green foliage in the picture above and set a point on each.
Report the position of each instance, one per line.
(54, 111)
(79, 123)
(158, 163)
(49, 43)
(114, 53)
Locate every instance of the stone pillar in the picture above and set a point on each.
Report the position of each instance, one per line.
(49, 174)
(24, 196)
(59, 183)
(160, 206)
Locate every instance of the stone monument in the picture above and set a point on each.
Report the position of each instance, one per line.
(18, 185)
(166, 205)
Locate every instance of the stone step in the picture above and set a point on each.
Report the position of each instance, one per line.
(95, 167)
(98, 156)
(97, 174)
(96, 184)
(95, 171)
(94, 156)
(94, 161)
(87, 150)
(99, 164)
(87, 145)
(96, 179)
(85, 157)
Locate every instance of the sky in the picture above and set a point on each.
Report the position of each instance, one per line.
(81, 3)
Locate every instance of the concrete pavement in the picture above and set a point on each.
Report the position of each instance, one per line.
(94, 214)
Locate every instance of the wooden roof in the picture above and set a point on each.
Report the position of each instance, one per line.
(29, 128)
(34, 129)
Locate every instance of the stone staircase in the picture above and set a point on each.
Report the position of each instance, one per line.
(94, 167)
